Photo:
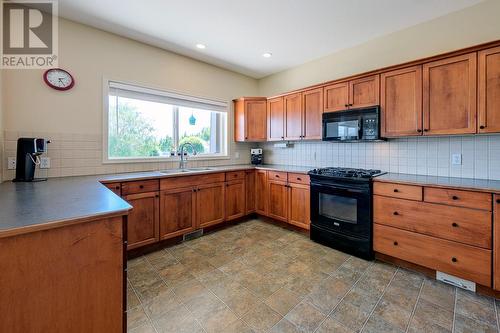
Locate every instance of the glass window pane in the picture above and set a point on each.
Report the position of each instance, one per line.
(202, 128)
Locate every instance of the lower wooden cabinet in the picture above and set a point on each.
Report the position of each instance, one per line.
(177, 212)
(496, 242)
(209, 204)
(261, 192)
(278, 200)
(299, 205)
(235, 199)
(250, 191)
(143, 220)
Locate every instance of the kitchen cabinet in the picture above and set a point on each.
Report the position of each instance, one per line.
(250, 191)
(496, 242)
(177, 212)
(261, 192)
(278, 200)
(357, 93)
(115, 187)
(250, 121)
(299, 205)
(489, 91)
(209, 204)
(449, 95)
(235, 199)
(336, 97)
(312, 106)
(401, 102)
(143, 220)
(293, 116)
(275, 119)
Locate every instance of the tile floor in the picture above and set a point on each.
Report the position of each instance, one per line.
(258, 277)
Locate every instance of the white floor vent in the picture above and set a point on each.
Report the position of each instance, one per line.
(192, 235)
(456, 281)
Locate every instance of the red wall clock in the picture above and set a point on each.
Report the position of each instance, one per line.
(58, 79)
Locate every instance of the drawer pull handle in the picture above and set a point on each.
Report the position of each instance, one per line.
(298, 178)
(141, 186)
(454, 225)
(395, 213)
(117, 187)
(454, 259)
(454, 197)
(498, 201)
(277, 176)
(396, 190)
(395, 243)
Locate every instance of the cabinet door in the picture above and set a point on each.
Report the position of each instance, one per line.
(143, 220)
(235, 199)
(261, 194)
(312, 104)
(449, 95)
(255, 120)
(250, 191)
(177, 211)
(489, 91)
(293, 116)
(278, 200)
(275, 119)
(364, 91)
(401, 102)
(299, 205)
(336, 97)
(496, 242)
(209, 204)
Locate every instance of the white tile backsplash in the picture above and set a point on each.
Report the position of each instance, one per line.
(423, 155)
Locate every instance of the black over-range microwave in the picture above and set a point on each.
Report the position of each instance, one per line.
(352, 125)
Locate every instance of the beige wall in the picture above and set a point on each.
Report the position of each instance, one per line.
(73, 119)
(471, 26)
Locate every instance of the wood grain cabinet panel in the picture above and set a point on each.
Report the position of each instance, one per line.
(143, 220)
(293, 116)
(453, 197)
(210, 204)
(410, 192)
(115, 187)
(336, 97)
(449, 95)
(275, 119)
(235, 199)
(468, 262)
(489, 91)
(261, 192)
(250, 191)
(464, 225)
(278, 200)
(250, 121)
(299, 205)
(177, 212)
(496, 243)
(364, 91)
(141, 186)
(312, 101)
(401, 102)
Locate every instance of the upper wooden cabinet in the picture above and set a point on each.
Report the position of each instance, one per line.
(401, 102)
(449, 95)
(357, 93)
(336, 97)
(275, 119)
(312, 105)
(489, 91)
(250, 119)
(143, 220)
(293, 116)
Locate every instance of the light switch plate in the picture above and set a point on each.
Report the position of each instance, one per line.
(45, 163)
(11, 163)
(237, 155)
(456, 159)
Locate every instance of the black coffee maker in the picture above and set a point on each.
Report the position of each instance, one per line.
(28, 152)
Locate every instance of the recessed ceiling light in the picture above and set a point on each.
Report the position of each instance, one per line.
(201, 46)
(267, 55)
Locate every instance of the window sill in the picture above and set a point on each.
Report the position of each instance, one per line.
(164, 159)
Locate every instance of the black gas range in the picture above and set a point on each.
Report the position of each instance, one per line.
(341, 209)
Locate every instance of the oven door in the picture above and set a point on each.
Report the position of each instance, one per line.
(343, 209)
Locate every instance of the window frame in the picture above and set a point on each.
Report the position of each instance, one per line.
(225, 135)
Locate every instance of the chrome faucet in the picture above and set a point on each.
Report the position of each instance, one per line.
(183, 161)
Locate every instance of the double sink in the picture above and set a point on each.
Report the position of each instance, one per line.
(191, 170)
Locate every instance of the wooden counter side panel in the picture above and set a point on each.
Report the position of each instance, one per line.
(68, 279)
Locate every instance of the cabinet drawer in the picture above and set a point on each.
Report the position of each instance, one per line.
(298, 178)
(464, 225)
(234, 175)
(468, 262)
(186, 181)
(410, 192)
(115, 187)
(140, 186)
(277, 175)
(448, 196)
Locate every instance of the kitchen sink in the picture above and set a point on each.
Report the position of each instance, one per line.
(171, 171)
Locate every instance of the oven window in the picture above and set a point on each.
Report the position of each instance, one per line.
(343, 129)
(338, 208)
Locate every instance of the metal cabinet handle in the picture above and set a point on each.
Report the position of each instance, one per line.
(454, 259)
(498, 201)
(426, 130)
(454, 224)
(454, 197)
(395, 213)
(141, 186)
(482, 127)
(395, 243)
(396, 190)
(419, 131)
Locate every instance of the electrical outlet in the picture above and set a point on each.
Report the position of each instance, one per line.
(11, 163)
(237, 155)
(456, 159)
(45, 163)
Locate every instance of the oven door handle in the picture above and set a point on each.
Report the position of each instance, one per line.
(336, 189)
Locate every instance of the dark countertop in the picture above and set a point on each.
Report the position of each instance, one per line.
(483, 185)
(26, 207)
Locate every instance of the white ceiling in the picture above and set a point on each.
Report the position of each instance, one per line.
(238, 32)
